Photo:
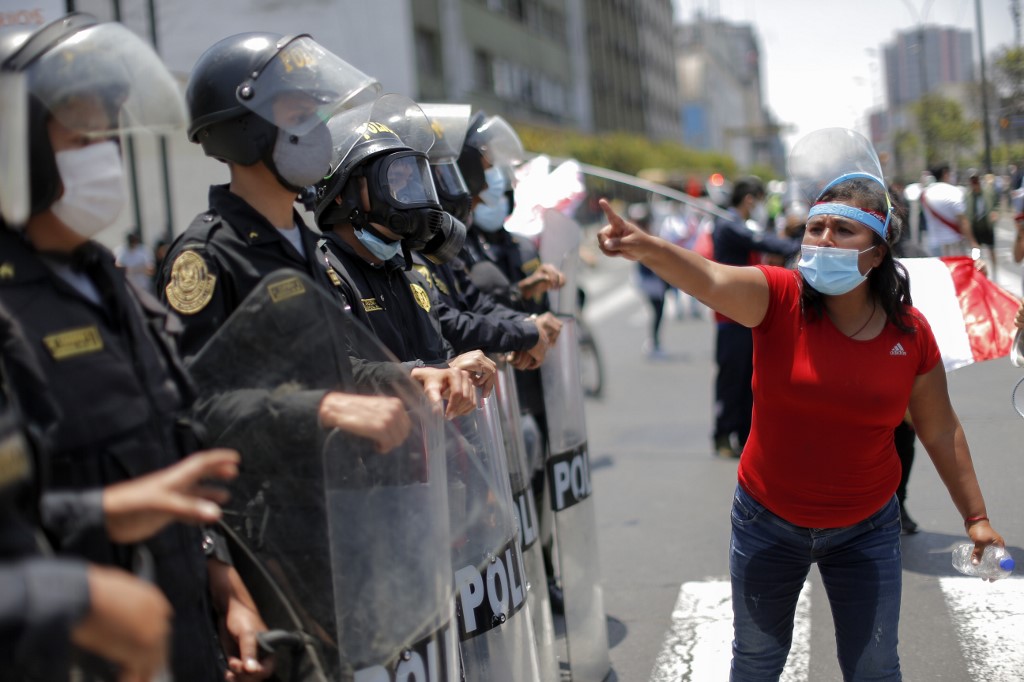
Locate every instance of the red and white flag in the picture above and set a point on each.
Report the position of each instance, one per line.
(971, 316)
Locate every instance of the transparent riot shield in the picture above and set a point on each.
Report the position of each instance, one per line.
(525, 507)
(571, 501)
(345, 549)
(559, 246)
(495, 627)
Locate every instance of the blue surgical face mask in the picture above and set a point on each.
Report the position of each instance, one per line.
(489, 215)
(377, 246)
(830, 270)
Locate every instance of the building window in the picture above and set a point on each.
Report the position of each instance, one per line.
(483, 71)
(428, 52)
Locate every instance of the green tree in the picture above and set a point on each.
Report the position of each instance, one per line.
(1008, 78)
(945, 131)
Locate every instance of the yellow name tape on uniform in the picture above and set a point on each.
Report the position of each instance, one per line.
(74, 342)
(370, 305)
(289, 288)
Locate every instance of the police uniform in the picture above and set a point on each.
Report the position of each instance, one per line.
(496, 264)
(111, 369)
(397, 304)
(471, 319)
(41, 599)
(223, 255)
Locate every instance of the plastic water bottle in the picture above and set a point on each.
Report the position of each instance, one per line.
(995, 562)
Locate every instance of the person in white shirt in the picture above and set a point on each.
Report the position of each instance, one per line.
(137, 261)
(948, 229)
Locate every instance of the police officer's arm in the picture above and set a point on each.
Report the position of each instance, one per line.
(48, 604)
(740, 293)
(468, 330)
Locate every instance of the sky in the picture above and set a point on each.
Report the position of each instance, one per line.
(821, 63)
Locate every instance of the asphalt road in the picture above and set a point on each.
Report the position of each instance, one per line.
(663, 505)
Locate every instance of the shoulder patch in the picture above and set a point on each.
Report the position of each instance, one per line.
(6, 270)
(191, 285)
(531, 265)
(420, 294)
(370, 305)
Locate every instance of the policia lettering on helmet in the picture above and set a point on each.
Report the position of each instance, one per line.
(470, 318)
(380, 203)
(258, 103)
(104, 352)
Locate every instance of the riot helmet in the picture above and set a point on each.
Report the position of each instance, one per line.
(450, 122)
(264, 97)
(387, 146)
(490, 141)
(95, 81)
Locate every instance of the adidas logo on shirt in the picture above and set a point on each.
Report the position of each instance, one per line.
(898, 350)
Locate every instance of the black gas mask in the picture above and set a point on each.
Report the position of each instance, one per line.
(404, 200)
(452, 190)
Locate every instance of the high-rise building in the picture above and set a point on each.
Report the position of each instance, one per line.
(723, 108)
(524, 59)
(633, 81)
(920, 60)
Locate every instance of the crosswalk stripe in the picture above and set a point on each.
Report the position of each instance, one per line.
(989, 619)
(698, 645)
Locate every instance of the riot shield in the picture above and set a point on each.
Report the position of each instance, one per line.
(495, 627)
(345, 549)
(525, 507)
(559, 245)
(571, 501)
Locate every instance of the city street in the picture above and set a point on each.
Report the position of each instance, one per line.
(663, 508)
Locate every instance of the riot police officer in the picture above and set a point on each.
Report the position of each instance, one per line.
(105, 350)
(377, 210)
(258, 103)
(469, 317)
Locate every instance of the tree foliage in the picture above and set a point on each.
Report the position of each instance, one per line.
(945, 132)
(624, 152)
(1008, 76)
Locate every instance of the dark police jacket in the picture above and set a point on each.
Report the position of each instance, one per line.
(223, 255)
(496, 263)
(114, 375)
(397, 305)
(471, 319)
(41, 598)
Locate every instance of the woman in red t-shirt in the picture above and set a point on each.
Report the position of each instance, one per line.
(840, 353)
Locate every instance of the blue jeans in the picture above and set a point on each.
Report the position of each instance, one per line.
(860, 567)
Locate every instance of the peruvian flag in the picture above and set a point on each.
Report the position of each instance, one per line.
(971, 316)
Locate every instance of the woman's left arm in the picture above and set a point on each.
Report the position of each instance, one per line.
(942, 435)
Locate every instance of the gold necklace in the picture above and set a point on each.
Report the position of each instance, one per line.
(874, 305)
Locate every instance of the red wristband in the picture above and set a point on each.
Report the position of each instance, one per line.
(973, 519)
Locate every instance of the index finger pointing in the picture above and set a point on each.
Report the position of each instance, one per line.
(609, 213)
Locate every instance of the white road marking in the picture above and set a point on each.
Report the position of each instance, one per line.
(989, 618)
(606, 306)
(698, 646)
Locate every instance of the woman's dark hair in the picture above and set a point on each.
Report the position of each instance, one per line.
(889, 282)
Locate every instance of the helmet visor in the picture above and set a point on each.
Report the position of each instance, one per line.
(499, 143)
(304, 85)
(105, 80)
(393, 120)
(449, 179)
(449, 122)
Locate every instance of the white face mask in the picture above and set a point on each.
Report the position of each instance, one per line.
(94, 188)
(759, 214)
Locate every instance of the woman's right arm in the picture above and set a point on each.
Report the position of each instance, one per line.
(740, 293)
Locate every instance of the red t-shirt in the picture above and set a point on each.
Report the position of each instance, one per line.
(820, 452)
